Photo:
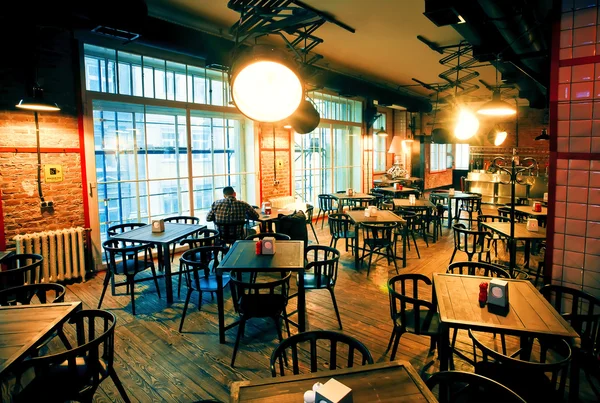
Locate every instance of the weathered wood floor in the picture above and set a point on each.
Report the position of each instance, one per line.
(157, 363)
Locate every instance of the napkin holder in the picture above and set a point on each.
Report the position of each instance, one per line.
(372, 211)
(333, 391)
(498, 293)
(532, 225)
(158, 225)
(349, 192)
(268, 245)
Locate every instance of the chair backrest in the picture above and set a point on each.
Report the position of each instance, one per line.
(21, 269)
(581, 310)
(206, 237)
(335, 343)
(310, 209)
(459, 386)
(471, 203)
(410, 216)
(202, 259)
(477, 269)
(505, 212)
(276, 235)
(379, 234)
(490, 218)
(360, 203)
(327, 202)
(90, 362)
(293, 225)
(230, 232)
(120, 228)
(405, 303)
(339, 225)
(259, 299)
(183, 219)
(438, 199)
(323, 261)
(126, 257)
(45, 293)
(520, 368)
(469, 241)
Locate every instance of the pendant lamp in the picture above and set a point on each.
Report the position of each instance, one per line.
(496, 107)
(37, 103)
(264, 84)
(496, 136)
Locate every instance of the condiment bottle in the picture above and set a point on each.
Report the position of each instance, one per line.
(258, 247)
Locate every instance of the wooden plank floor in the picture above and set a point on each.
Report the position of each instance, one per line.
(157, 363)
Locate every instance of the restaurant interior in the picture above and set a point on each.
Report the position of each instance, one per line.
(181, 181)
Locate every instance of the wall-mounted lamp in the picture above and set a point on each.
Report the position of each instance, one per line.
(543, 136)
(496, 107)
(497, 136)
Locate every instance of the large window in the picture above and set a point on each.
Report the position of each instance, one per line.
(437, 161)
(379, 144)
(461, 160)
(154, 161)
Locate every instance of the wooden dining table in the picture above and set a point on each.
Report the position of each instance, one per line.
(392, 191)
(22, 327)
(456, 196)
(289, 256)
(521, 234)
(173, 232)
(528, 314)
(346, 200)
(266, 220)
(395, 381)
(383, 216)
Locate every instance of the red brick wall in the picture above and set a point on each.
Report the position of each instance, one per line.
(282, 167)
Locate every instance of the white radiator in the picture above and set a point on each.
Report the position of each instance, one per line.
(63, 252)
(282, 201)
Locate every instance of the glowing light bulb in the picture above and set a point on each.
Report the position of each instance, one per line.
(467, 125)
(500, 137)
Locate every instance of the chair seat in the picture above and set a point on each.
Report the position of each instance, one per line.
(430, 322)
(130, 264)
(345, 234)
(262, 305)
(209, 283)
(310, 281)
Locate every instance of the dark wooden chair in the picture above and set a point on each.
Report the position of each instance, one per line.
(128, 259)
(534, 376)
(334, 344)
(120, 228)
(481, 218)
(321, 272)
(411, 218)
(379, 239)
(420, 223)
(440, 201)
(76, 373)
(409, 313)
(259, 300)
(341, 227)
(21, 269)
(309, 219)
(206, 237)
(327, 205)
(458, 386)
(469, 205)
(44, 293)
(199, 265)
(182, 219)
(360, 203)
(471, 242)
(276, 235)
(582, 311)
(230, 232)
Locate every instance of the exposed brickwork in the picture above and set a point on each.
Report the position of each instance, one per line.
(281, 169)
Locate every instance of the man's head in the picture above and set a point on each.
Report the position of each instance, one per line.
(228, 191)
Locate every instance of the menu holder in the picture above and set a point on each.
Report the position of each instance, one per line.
(268, 245)
(333, 391)
(158, 225)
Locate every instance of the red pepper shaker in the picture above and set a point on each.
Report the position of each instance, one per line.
(483, 288)
(258, 247)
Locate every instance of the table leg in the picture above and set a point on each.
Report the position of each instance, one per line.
(527, 254)
(574, 376)
(301, 302)
(444, 347)
(220, 308)
(404, 240)
(449, 212)
(167, 266)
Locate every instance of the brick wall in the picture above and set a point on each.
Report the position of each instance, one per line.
(269, 170)
(58, 130)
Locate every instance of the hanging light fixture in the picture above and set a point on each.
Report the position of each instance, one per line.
(37, 103)
(543, 136)
(264, 85)
(466, 125)
(381, 132)
(496, 107)
(497, 136)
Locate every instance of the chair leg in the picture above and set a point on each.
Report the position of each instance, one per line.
(396, 342)
(314, 232)
(131, 287)
(155, 280)
(416, 247)
(391, 252)
(119, 385)
(453, 253)
(391, 339)
(337, 312)
(106, 281)
(200, 299)
(241, 327)
(185, 307)
(278, 328)
(287, 322)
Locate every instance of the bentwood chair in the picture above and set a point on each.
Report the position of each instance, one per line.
(459, 386)
(471, 242)
(128, 259)
(309, 219)
(198, 265)
(259, 300)
(182, 219)
(341, 227)
(76, 373)
(206, 237)
(440, 201)
(359, 203)
(327, 205)
(43, 293)
(379, 239)
(262, 235)
(334, 346)
(21, 269)
(537, 375)
(411, 314)
(481, 218)
(411, 224)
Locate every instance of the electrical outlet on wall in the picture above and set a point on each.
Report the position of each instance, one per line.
(47, 207)
(275, 182)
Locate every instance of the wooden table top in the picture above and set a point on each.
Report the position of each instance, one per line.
(23, 326)
(383, 216)
(344, 196)
(528, 313)
(394, 190)
(395, 381)
(457, 194)
(418, 203)
(289, 255)
(529, 210)
(173, 232)
(521, 232)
